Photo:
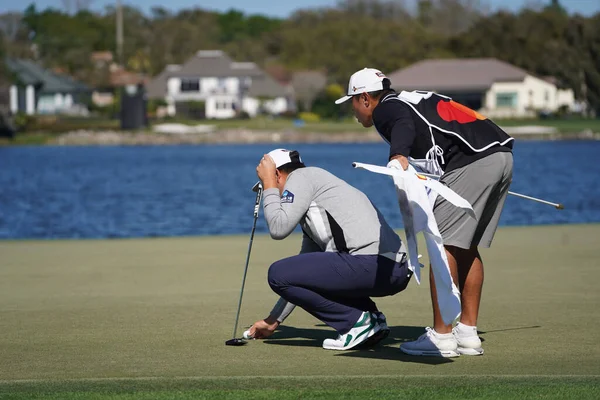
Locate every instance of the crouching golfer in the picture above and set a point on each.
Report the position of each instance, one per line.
(349, 253)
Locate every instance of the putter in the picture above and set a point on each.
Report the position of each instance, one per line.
(239, 341)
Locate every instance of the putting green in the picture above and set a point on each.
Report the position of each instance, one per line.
(97, 311)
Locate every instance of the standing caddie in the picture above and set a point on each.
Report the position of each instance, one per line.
(474, 158)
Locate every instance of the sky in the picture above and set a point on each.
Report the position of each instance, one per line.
(277, 8)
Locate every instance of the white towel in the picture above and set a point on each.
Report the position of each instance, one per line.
(417, 214)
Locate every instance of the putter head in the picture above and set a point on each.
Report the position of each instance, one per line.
(235, 342)
(256, 186)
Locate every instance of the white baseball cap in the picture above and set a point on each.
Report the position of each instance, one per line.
(365, 80)
(283, 157)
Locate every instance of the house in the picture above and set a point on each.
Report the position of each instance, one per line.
(108, 78)
(36, 90)
(492, 87)
(7, 128)
(307, 86)
(221, 86)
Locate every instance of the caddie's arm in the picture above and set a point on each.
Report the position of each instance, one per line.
(395, 117)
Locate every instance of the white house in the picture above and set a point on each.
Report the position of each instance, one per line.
(223, 86)
(494, 88)
(40, 91)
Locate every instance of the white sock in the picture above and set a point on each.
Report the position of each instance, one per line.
(443, 335)
(466, 329)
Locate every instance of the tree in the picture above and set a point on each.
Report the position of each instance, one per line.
(6, 126)
(75, 6)
(10, 25)
(307, 86)
(324, 105)
(336, 40)
(555, 6)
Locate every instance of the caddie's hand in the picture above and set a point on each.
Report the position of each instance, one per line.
(266, 172)
(264, 328)
(402, 160)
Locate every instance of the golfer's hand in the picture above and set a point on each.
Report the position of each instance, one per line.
(266, 172)
(263, 329)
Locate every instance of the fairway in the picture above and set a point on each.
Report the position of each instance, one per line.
(148, 319)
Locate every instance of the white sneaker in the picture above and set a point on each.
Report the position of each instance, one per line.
(432, 343)
(364, 328)
(380, 334)
(468, 342)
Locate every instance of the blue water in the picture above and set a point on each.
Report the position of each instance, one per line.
(108, 192)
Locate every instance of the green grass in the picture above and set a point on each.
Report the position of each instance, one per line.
(574, 125)
(32, 138)
(280, 124)
(566, 126)
(359, 388)
(148, 318)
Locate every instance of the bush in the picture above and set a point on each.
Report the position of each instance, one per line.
(309, 117)
(154, 104)
(23, 122)
(243, 115)
(53, 124)
(289, 114)
(191, 109)
(325, 106)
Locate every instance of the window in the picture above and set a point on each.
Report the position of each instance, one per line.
(222, 85)
(506, 100)
(190, 85)
(222, 105)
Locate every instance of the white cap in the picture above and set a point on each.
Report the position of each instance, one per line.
(365, 80)
(283, 157)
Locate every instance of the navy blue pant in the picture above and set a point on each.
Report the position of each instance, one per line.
(336, 287)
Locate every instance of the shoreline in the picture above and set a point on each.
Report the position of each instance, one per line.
(246, 136)
(227, 236)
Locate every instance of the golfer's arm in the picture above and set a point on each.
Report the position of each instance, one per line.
(283, 217)
(281, 310)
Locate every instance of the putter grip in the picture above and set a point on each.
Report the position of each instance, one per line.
(259, 191)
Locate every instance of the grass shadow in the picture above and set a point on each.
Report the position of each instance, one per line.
(505, 330)
(386, 350)
(393, 353)
(292, 336)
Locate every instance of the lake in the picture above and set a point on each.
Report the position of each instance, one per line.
(151, 191)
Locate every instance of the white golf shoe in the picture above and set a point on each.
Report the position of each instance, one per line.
(467, 340)
(433, 344)
(365, 327)
(380, 334)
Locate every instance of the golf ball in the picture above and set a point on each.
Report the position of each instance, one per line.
(247, 335)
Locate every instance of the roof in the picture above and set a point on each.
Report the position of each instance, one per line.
(215, 63)
(29, 73)
(462, 74)
(266, 86)
(156, 88)
(310, 80)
